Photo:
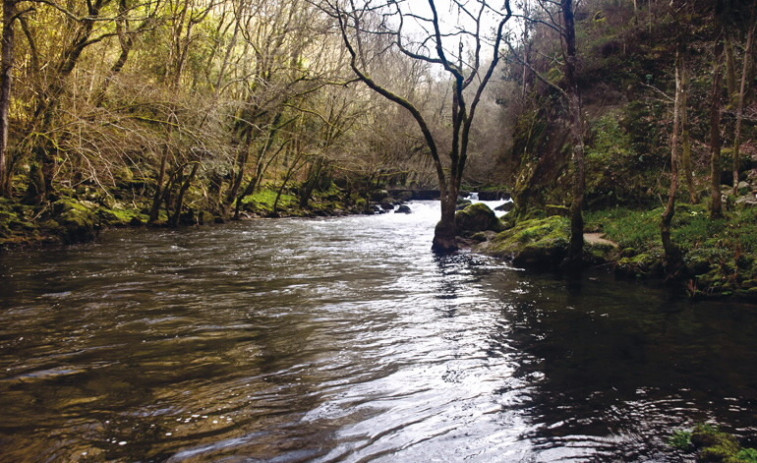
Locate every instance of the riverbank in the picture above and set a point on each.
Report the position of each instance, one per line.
(718, 255)
(76, 219)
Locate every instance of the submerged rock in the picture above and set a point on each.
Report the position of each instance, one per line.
(403, 209)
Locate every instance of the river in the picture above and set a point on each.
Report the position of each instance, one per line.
(346, 340)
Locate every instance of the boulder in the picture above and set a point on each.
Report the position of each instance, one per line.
(534, 244)
(77, 220)
(403, 209)
(387, 204)
(462, 204)
(379, 195)
(506, 207)
(476, 218)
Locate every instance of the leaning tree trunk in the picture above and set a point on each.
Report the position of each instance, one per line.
(686, 139)
(672, 252)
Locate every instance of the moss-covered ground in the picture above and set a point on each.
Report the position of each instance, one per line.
(77, 217)
(712, 445)
(719, 254)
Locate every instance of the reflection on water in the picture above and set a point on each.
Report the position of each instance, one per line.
(346, 340)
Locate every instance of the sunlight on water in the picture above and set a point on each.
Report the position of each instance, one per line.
(347, 340)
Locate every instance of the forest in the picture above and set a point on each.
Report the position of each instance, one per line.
(630, 119)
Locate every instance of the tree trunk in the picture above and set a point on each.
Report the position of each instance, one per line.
(6, 69)
(445, 240)
(672, 253)
(575, 249)
(686, 138)
(313, 178)
(716, 206)
(174, 222)
(157, 198)
(746, 67)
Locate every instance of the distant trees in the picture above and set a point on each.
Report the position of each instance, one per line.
(178, 102)
(374, 28)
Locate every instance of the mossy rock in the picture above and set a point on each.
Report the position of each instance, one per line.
(476, 218)
(716, 446)
(534, 244)
(644, 265)
(77, 220)
(462, 204)
(121, 217)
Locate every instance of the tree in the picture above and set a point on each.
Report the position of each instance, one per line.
(578, 129)
(571, 94)
(716, 205)
(672, 252)
(378, 27)
(741, 97)
(10, 14)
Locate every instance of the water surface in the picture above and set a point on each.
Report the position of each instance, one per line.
(346, 340)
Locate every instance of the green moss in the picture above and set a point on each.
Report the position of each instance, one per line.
(747, 455)
(681, 440)
(642, 265)
(262, 202)
(716, 446)
(77, 219)
(535, 243)
(476, 218)
(118, 217)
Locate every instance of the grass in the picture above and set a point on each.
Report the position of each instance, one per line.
(692, 228)
(720, 255)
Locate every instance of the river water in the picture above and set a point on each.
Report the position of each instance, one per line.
(346, 340)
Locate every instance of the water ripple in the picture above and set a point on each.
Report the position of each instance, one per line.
(346, 340)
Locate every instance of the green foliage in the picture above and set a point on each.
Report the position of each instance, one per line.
(748, 455)
(627, 227)
(718, 254)
(610, 159)
(681, 440)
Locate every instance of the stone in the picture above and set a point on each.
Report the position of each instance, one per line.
(476, 218)
(506, 207)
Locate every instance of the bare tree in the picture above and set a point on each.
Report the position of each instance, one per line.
(378, 27)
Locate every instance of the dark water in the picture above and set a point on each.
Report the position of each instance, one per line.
(345, 340)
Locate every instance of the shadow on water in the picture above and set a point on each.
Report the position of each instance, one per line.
(347, 340)
(621, 365)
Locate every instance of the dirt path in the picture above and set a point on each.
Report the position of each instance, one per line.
(597, 238)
